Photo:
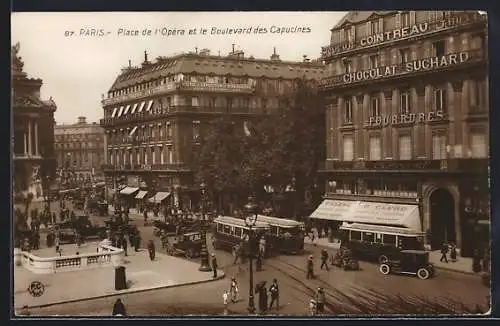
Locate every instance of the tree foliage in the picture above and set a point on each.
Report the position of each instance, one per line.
(281, 147)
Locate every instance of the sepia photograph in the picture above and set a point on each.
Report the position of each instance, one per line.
(250, 164)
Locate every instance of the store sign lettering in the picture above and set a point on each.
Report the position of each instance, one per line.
(411, 118)
(418, 65)
(395, 34)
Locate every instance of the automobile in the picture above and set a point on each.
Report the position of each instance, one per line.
(159, 226)
(188, 244)
(411, 262)
(67, 236)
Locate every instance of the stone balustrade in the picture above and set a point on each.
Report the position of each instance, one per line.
(106, 255)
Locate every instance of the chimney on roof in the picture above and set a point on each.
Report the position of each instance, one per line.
(130, 63)
(236, 53)
(306, 59)
(196, 49)
(275, 56)
(233, 47)
(145, 56)
(204, 52)
(82, 120)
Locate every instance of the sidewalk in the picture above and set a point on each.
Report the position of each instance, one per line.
(462, 265)
(142, 275)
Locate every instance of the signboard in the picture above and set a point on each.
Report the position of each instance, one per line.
(411, 118)
(369, 213)
(333, 210)
(409, 67)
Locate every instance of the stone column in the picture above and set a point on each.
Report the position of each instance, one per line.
(25, 144)
(106, 148)
(428, 108)
(36, 138)
(419, 131)
(29, 138)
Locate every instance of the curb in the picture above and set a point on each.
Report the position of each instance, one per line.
(128, 291)
(437, 267)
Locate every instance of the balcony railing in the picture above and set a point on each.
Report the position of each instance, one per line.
(445, 165)
(453, 21)
(167, 111)
(216, 87)
(146, 167)
(413, 68)
(185, 85)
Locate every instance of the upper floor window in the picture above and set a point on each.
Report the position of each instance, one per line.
(405, 19)
(478, 42)
(348, 148)
(194, 101)
(374, 61)
(375, 106)
(438, 48)
(245, 103)
(347, 66)
(229, 103)
(348, 111)
(438, 147)
(375, 27)
(405, 55)
(478, 145)
(440, 99)
(196, 129)
(169, 130)
(375, 148)
(405, 147)
(211, 102)
(264, 104)
(404, 105)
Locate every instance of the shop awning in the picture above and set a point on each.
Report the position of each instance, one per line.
(128, 190)
(126, 109)
(380, 229)
(132, 131)
(369, 212)
(133, 108)
(114, 112)
(333, 210)
(120, 111)
(149, 105)
(159, 197)
(141, 194)
(100, 184)
(141, 107)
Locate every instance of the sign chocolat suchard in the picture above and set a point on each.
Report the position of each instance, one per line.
(409, 67)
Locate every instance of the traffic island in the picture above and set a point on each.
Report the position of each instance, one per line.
(142, 274)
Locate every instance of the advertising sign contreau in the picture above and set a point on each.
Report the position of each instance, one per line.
(409, 67)
(428, 27)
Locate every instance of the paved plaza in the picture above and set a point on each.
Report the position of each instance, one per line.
(142, 275)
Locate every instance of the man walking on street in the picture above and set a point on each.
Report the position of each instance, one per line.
(444, 252)
(214, 265)
(310, 268)
(275, 295)
(151, 250)
(324, 259)
(320, 300)
(124, 245)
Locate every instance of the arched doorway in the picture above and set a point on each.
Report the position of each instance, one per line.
(442, 217)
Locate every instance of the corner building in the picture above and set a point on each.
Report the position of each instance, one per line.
(156, 115)
(34, 166)
(407, 120)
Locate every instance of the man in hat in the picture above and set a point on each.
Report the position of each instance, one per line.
(320, 300)
(310, 268)
(275, 294)
(214, 265)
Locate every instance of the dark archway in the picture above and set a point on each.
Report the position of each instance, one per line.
(442, 218)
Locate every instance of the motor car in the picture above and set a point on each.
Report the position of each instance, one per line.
(188, 244)
(410, 262)
(344, 259)
(159, 226)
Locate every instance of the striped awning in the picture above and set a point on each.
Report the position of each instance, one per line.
(128, 190)
(159, 197)
(141, 194)
(141, 107)
(126, 109)
(114, 112)
(133, 131)
(120, 112)
(134, 108)
(150, 104)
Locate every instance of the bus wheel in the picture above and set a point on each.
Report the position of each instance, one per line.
(383, 259)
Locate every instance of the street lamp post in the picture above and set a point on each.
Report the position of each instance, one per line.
(250, 221)
(204, 267)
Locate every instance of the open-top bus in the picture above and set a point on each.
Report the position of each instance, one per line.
(230, 231)
(378, 241)
(285, 236)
